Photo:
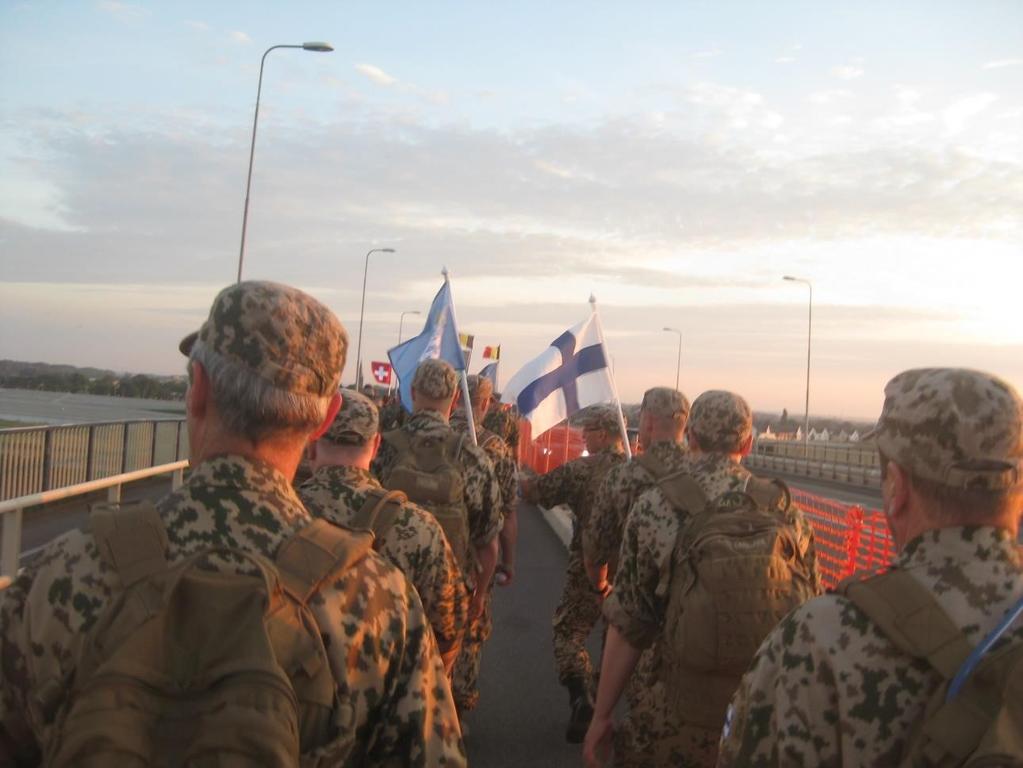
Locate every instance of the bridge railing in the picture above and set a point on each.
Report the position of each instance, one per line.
(38, 459)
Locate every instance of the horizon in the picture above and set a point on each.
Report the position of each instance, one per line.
(675, 160)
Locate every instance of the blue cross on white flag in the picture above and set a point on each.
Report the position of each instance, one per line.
(571, 374)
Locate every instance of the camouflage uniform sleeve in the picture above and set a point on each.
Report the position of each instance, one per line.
(391, 681)
(434, 571)
(636, 604)
(559, 486)
(14, 671)
(603, 530)
(482, 497)
(807, 545)
(785, 711)
(507, 480)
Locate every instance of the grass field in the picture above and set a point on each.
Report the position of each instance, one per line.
(6, 424)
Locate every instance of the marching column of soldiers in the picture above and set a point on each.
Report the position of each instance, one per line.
(242, 620)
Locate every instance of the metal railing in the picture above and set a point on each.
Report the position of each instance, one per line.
(12, 510)
(38, 459)
(861, 475)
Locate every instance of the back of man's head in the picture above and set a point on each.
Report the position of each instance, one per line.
(481, 392)
(720, 422)
(958, 433)
(273, 355)
(433, 386)
(663, 414)
(351, 439)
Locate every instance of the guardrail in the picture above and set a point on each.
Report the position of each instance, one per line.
(12, 510)
(866, 476)
(37, 459)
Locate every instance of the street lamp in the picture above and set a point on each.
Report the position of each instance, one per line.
(678, 365)
(401, 320)
(809, 335)
(362, 311)
(318, 48)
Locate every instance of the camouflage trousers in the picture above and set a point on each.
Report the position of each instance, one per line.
(651, 734)
(574, 619)
(466, 673)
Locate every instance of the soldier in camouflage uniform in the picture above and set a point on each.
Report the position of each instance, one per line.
(828, 687)
(662, 422)
(575, 484)
(414, 541)
(263, 377)
(720, 432)
(481, 391)
(433, 391)
(503, 420)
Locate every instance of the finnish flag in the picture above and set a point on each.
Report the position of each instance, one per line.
(571, 374)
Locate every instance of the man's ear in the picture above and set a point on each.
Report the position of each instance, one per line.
(197, 396)
(376, 445)
(332, 409)
(747, 445)
(896, 489)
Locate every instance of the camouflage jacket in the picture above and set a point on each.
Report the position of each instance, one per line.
(575, 484)
(505, 469)
(415, 543)
(395, 703)
(828, 688)
(482, 496)
(506, 425)
(639, 600)
(602, 536)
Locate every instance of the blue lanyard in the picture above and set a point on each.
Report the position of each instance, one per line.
(978, 653)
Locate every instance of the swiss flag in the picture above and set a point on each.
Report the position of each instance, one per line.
(381, 372)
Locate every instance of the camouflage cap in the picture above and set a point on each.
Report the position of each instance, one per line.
(356, 422)
(279, 333)
(480, 388)
(435, 379)
(603, 417)
(954, 426)
(665, 403)
(720, 421)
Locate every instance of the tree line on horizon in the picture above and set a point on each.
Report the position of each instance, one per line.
(47, 377)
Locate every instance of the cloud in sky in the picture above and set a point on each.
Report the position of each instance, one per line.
(848, 72)
(123, 11)
(375, 74)
(1001, 63)
(200, 26)
(240, 37)
(957, 115)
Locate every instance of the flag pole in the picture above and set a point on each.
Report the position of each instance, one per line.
(464, 379)
(614, 384)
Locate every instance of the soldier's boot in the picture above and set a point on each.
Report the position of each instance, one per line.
(581, 704)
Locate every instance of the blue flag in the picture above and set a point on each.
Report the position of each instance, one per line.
(490, 372)
(439, 339)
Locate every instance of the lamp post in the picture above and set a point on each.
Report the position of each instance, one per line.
(809, 336)
(678, 365)
(318, 48)
(401, 320)
(362, 311)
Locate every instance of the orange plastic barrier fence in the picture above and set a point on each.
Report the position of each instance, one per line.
(849, 538)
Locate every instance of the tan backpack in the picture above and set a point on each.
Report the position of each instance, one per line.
(736, 572)
(982, 723)
(189, 666)
(427, 471)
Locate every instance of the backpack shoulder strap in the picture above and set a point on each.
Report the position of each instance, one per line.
(379, 511)
(131, 539)
(683, 492)
(317, 551)
(769, 494)
(399, 438)
(911, 618)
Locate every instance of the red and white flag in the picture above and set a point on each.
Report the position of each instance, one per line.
(381, 372)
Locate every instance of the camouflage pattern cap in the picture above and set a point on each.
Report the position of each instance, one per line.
(279, 333)
(480, 388)
(435, 379)
(720, 421)
(666, 403)
(357, 421)
(603, 417)
(954, 426)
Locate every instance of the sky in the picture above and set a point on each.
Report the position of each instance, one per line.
(674, 160)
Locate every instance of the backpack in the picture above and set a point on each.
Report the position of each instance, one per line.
(979, 725)
(378, 513)
(427, 471)
(736, 571)
(189, 666)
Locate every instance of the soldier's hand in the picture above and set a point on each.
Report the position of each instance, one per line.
(598, 741)
(504, 575)
(476, 602)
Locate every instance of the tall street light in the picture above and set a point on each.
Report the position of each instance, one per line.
(317, 47)
(678, 365)
(809, 336)
(362, 312)
(401, 320)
